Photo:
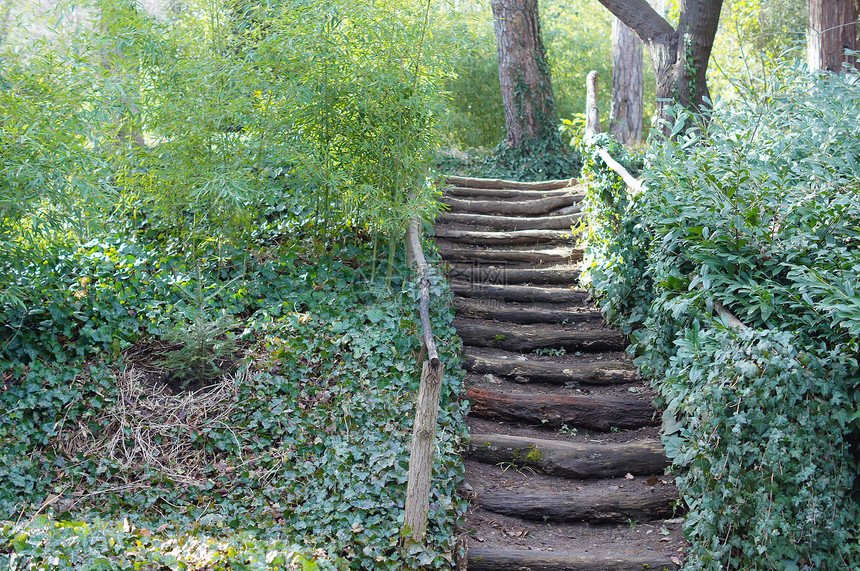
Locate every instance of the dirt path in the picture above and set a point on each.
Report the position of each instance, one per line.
(565, 467)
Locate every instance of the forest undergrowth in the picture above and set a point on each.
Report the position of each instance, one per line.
(756, 211)
(297, 451)
(208, 333)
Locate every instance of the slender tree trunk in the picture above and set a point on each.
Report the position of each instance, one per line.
(592, 113)
(625, 109)
(832, 30)
(524, 74)
(680, 56)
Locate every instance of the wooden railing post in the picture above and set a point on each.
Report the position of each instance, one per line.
(427, 407)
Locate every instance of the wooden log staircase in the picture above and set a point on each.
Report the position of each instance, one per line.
(565, 470)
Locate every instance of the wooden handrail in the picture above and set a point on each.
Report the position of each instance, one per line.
(423, 446)
(416, 254)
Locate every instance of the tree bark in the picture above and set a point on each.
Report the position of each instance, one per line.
(507, 560)
(524, 74)
(535, 207)
(491, 290)
(638, 502)
(527, 338)
(511, 222)
(592, 113)
(596, 413)
(571, 459)
(501, 311)
(502, 275)
(495, 183)
(680, 56)
(504, 364)
(832, 30)
(625, 109)
(417, 505)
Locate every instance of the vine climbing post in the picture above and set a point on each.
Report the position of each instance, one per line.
(427, 407)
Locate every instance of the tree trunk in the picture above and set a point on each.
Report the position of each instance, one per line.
(592, 113)
(832, 30)
(524, 74)
(625, 109)
(680, 56)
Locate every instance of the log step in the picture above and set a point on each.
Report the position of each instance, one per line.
(533, 207)
(638, 502)
(492, 274)
(511, 222)
(494, 183)
(578, 192)
(531, 560)
(571, 460)
(513, 365)
(453, 252)
(495, 309)
(522, 293)
(596, 413)
(511, 238)
(527, 338)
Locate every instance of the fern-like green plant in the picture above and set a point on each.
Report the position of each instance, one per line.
(207, 348)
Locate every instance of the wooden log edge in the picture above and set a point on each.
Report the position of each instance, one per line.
(596, 413)
(481, 559)
(495, 183)
(637, 501)
(571, 459)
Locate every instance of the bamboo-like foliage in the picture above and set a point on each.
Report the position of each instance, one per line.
(196, 118)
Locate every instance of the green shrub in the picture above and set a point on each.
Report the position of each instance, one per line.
(759, 210)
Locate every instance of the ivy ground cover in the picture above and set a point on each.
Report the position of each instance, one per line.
(756, 210)
(297, 455)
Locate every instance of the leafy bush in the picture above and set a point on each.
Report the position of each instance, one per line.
(758, 210)
(309, 441)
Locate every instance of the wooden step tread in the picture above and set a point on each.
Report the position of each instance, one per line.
(577, 192)
(526, 338)
(535, 255)
(562, 222)
(569, 459)
(501, 274)
(533, 560)
(596, 413)
(517, 313)
(511, 237)
(473, 182)
(639, 502)
(518, 292)
(530, 369)
(531, 207)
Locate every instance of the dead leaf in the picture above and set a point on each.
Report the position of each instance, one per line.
(652, 481)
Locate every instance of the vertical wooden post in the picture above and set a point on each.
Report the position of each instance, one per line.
(423, 447)
(592, 114)
(426, 409)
